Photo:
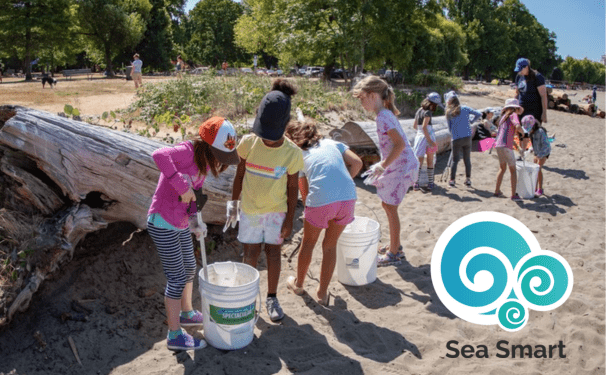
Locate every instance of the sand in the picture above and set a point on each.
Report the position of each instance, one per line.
(396, 325)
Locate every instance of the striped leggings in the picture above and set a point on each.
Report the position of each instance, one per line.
(176, 251)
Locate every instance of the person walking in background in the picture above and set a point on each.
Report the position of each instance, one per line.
(137, 72)
(508, 125)
(425, 140)
(540, 147)
(398, 168)
(179, 66)
(266, 179)
(531, 92)
(172, 218)
(329, 195)
(459, 118)
(595, 94)
(224, 66)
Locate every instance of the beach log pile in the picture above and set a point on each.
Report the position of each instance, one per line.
(362, 137)
(80, 177)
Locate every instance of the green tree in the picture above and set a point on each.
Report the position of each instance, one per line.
(583, 71)
(212, 34)
(530, 39)
(29, 27)
(157, 44)
(112, 26)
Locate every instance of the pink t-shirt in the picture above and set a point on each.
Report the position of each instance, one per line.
(506, 131)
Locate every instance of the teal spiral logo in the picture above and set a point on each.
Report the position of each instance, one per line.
(488, 268)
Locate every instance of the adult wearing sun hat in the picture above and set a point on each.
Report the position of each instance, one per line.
(531, 90)
(172, 219)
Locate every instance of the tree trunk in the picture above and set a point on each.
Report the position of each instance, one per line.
(110, 171)
(108, 61)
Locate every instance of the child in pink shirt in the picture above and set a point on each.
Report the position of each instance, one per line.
(508, 125)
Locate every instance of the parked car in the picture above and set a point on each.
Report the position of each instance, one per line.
(246, 70)
(339, 74)
(301, 70)
(199, 70)
(313, 71)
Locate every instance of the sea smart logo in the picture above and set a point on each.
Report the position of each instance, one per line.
(488, 268)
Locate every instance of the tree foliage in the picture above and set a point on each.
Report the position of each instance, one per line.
(28, 28)
(212, 32)
(111, 26)
(584, 71)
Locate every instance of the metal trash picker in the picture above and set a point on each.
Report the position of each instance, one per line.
(201, 200)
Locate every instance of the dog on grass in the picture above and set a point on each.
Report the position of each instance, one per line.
(50, 80)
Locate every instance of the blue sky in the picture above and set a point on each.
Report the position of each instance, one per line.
(579, 25)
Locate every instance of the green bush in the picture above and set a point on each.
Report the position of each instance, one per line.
(439, 79)
(173, 103)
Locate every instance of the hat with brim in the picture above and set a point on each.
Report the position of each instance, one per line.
(434, 97)
(273, 116)
(512, 103)
(449, 95)
(221, 135)
(521, 64)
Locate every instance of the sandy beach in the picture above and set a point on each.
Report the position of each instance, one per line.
(395, 325)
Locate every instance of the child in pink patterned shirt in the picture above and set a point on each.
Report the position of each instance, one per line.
(398, 168)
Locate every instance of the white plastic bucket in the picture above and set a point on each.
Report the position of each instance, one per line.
(357, 252)
(528, 174)
(229, 304)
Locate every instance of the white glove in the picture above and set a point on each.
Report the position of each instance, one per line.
(233, 214)
(373, 173)
(198, 230)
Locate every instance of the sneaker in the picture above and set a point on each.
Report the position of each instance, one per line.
(384, 249)
(538, 193)
(516, 198)
(468, 182)
(195, 320)
(273, 309)
(415, 186)
(430, 186)
(388, 259)
(451, 183)
(185, 341)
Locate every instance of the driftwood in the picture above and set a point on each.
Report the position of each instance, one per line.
(110, 171)
(81, 177)
(587, 108)
(362, 136)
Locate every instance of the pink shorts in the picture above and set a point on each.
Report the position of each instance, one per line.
(341, 212)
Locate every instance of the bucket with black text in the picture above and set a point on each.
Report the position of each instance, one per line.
(357, 252)
(229, 304)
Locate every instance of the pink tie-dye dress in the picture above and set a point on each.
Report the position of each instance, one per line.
(403, 172)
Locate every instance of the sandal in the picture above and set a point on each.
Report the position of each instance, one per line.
(385, 249)
(498, 195)
(388, 259)
(291, 283)
(415, 186)
(324, 301)
(451, 183)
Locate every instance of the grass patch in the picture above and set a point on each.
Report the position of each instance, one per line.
(180, 104)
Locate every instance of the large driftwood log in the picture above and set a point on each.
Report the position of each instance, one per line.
(362, 135)
(81, 177)
(108, 170)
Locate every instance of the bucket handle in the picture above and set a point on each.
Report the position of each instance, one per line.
(374, 213)
(236, 331)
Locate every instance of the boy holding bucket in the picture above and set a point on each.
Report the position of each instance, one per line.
(266, 179)
(184, 168)
(329, 196)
